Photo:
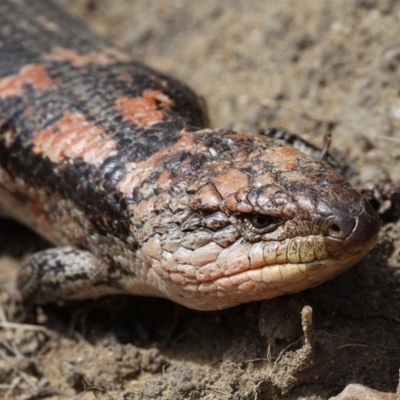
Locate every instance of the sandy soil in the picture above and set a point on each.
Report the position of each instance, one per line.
(311, 67)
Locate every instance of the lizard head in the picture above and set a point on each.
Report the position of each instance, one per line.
(250, 219)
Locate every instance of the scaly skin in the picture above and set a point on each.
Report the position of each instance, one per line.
(111, 162)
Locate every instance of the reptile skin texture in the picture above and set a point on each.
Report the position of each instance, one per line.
(112, 162)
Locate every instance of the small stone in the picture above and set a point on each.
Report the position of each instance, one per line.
(391, 58)
(355, 391)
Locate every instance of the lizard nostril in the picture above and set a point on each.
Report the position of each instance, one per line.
(351, 234)
(338, 226)
(334, 230)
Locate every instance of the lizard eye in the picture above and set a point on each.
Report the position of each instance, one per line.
(261, 223)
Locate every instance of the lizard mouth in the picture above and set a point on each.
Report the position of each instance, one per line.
(295, 266)
(263, 283)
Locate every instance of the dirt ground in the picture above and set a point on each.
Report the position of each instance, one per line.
(311, 67)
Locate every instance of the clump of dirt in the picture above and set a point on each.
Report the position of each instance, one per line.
(312, 68)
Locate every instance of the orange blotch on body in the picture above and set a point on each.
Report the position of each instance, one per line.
(143, 169)
(147, 110)
(34, 75)
(74, 137)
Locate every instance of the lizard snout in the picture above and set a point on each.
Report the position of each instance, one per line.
(352, 234)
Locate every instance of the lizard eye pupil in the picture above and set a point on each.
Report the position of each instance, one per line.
(262, 223)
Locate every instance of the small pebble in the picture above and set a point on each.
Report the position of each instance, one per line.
(355, 391)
